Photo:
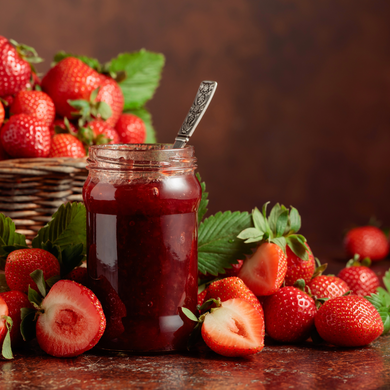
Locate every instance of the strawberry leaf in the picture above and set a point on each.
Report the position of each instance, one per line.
(218, 245)
(71, 257)
(67, 227)
(297, 246)
(37, 277)
(6, 349)
(91, 62)
(143, 72)
(251, 235)
(281, 242)
(203, 201)
(27, 325)
(189, 314)
(273, 216)
(144, 114)
(281, 223)
(34, 297)
(9, 239)
(295, 220)
(260, 221)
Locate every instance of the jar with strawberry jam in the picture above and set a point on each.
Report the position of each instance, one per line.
(142, 202)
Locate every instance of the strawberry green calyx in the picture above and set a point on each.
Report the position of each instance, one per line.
(356, 262)
(381, 301)
(280, 227)
(6, 348)
(28, 53)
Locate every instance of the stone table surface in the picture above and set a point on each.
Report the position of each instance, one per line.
(304, 366)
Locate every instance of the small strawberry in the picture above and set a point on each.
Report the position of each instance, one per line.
(70, 321)
(348, 321)
(103, 132)
(298, 268)
(289, 315)
(22, 262)
(15, 70)
(62, 125)
(66, 145)
(230, 288)
(360, 279)
(201, 297)
(131, 129)
(2, 113)
(34, 103)
(327, 286)
(367, 241)
(264, 271)
(69, 79)
(25, 136)
(16, 300)
(111, 93)
(235, 328)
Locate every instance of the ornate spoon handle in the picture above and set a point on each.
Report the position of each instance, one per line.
(202, 100)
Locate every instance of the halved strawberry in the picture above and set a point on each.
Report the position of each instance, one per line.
(71, 320)
(234, 329)
(265, 270)
(3, 313)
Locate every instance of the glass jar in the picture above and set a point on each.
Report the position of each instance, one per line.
(142, 202)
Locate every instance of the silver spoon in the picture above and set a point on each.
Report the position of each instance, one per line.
(202, 100)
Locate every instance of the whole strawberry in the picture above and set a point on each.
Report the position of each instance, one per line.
(327, 286)
(103, 132)
(264, 271)
(62, 125)
(70, 79)
(25, 136)
(70, 320)
(16, 300)
(298, 268)
(66, 145)
(367, 241)
(230, 288)
(22, 262)
(348, 321)
(131, 129)
(111, 93)
(34, 103)
(289, 315)
(15, 71)
(360, 279)
(235, 328)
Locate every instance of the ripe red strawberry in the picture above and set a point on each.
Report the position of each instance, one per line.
(71, 320)
(20, 263)
(360, 279)
(66, 145)
(367, 241)
(16, 300)
(289, 315)
(234, 329)
(79, 275)
(111, 93)
(348, 321)
(265, 270)
(131, 129)
(69, 79)
(3, 312)
(34, 103)
(68, 127)
(102, 129)
(230, 288)
(298, 268)
(201, 297)
(25, 136)
(14, 70)
(327, 286)
(2, 113)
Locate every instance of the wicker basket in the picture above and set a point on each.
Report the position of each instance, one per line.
(31, 190)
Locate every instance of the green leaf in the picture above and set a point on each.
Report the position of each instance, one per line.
(34, 297)
(281, 223)
(72, 257)
(8, 237)
(79, 104)
(147, 118)
(273, 216)
(218, 245)
(189, 314)
(204, 201)
(6, 349)
(250, 233)
(27, 325)
(67, 227)
(260, 221)
(295, 220)
(104, 110)
(386, 280)
(143, 72)
(281, 242)
(91, 62)
(295, 244)
(384, 313)
(37, 277)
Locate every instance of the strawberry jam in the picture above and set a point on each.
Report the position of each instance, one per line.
(142, 203)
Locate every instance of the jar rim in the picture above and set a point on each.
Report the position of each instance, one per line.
(140, 147)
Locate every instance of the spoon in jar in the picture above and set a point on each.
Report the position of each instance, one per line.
(202, 100)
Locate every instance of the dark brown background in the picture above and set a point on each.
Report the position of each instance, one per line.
(301, 115)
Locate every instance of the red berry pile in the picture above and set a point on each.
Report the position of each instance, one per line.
(84, 106)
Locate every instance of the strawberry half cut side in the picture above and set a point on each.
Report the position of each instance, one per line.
(234, 329)
(71, 320)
